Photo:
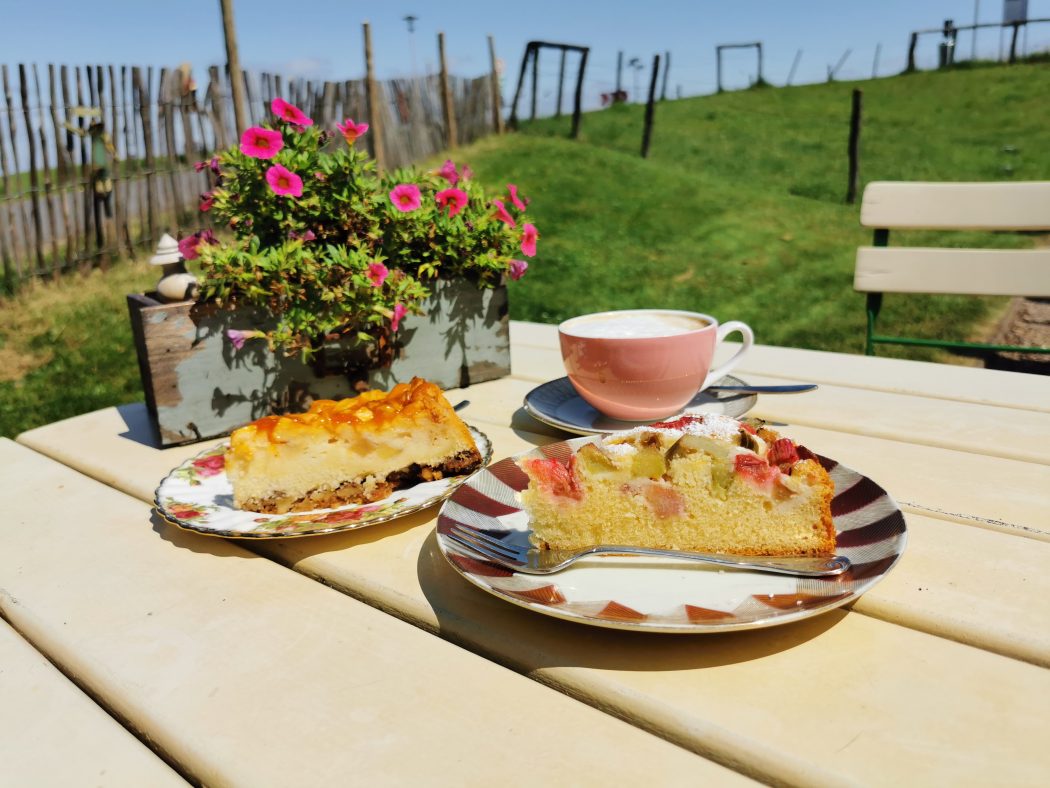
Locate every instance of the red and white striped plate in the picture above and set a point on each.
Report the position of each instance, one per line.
(656, 595)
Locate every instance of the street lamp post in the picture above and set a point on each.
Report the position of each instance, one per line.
(411, 20)
(635, 65)
(973, 40)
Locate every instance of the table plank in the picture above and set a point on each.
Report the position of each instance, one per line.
(229, 663)
(944, 381)
(845, 694)
(976, 429)
(1010, 565)
(127, 452)
(535, 355)
(965, 426)
(51, 733)
(1010, 496)
(971, 585)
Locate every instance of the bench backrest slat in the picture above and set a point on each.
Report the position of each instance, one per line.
(1008, 272)
(957, 206)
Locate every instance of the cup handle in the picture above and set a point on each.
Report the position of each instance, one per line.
(723, 331)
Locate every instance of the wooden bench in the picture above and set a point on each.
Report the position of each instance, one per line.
(951, 206)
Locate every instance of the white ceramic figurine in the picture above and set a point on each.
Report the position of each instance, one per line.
(176, 284)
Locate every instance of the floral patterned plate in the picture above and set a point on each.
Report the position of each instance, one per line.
(661, 595)
(197, 496)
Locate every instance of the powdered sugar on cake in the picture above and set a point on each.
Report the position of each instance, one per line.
(711, 425)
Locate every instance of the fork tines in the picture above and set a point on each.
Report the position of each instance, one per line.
(483, 544)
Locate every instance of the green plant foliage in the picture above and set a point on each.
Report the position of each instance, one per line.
(319, 240)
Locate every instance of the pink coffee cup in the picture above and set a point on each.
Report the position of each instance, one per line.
(645, 364)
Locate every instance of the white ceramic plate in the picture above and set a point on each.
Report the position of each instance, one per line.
(197, 496)
(660, 595)
(557, 404)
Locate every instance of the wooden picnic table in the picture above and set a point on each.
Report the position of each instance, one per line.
(363, 657)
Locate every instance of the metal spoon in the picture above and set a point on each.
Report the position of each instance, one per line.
(790, 388)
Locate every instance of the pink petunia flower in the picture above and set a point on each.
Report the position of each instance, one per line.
(377, 273)
(448, 172)
(307, 236)
(238, 338)
(212, 165)
(514, 197)
(290, 113)
(399, 312)
(350, 130)
(502, 215)
(454, 199)
(405, 197)
(284, 181)
(260, 143)
(207, 200)
(189, 247)
(529, 234)
(466, 173)
(518, 269)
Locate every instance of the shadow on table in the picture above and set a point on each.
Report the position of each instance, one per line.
(527, 641)
(139, 428)
(195, 542)
(529, 429)
(287, 550)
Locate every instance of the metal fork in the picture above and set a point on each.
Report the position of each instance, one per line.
(533, 561)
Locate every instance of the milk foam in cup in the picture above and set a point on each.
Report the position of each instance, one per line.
(617, 325)
(645, 364)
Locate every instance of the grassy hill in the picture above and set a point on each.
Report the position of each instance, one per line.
(737, 212)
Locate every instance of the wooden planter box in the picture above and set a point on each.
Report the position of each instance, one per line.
(199, 386)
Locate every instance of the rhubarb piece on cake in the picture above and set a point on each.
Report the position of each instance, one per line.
(703, 483)
(352, 451)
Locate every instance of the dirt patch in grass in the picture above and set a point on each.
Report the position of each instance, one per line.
(1027, 324)
(16, 364)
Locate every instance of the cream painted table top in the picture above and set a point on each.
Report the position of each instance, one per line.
(364, 654)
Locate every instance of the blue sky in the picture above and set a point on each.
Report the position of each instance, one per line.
(322, 38)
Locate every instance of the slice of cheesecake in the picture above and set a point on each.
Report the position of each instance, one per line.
(353, 451)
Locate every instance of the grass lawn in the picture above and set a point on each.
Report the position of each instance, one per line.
(66, 347)
(738, 212)
(739, 209)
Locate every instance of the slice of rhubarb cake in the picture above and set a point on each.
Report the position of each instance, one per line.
(704, 483)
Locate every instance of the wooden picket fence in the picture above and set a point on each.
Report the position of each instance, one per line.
(58, 123)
